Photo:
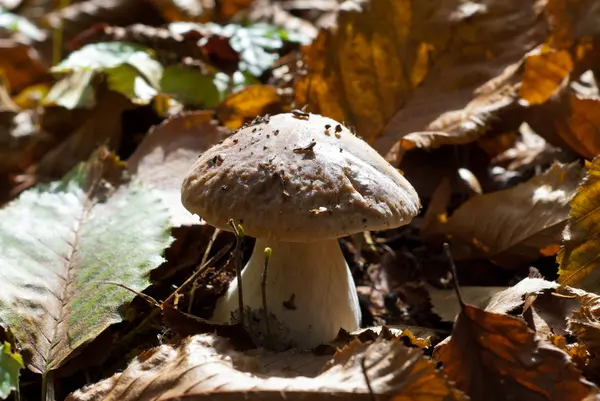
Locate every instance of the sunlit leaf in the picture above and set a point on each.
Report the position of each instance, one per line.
(208, 366)
(578, 259)
(66, 238)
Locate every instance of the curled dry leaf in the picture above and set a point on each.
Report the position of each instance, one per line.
(66, 238)
(442, 71)
(585, 323)
(545, 71)
(245, 105)
(515, 225)
(165, 155)
(497, 357)
(578, 257)
(207, 366)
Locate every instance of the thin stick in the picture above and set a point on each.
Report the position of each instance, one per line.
(237, 255)
(145, 297)
(263, 287)
(202, 263)
(454, 275)
(124, 341)
(367, 380)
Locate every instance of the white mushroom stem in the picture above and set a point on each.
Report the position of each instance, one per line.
(310, 293)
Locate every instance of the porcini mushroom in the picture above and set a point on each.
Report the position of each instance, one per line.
(297, 182)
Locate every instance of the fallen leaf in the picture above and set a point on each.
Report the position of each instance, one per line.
(578, 258)
(165, 155)
(103, 126)
(585, 323)
(514, 297)
(497, 357)
(530, 151)
(420, 74)
(512, 225)
(546, 70)
(129, 68)
(10, 364)
(579, 125)
(67, 237)
(21, 64)
(207, 366)
(241, 107)
(446, 305)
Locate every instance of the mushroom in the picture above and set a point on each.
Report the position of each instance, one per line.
(297, 182)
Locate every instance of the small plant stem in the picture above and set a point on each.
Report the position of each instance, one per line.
(363, 366)
(237, 260)
(454, 275)
(57, 35)
(263, 287)
(202, 263)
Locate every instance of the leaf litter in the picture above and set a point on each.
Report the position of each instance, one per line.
(489, 108)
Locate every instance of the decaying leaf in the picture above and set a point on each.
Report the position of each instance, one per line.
(497, 357)
(546, 70)
(245, 105)
(579, 124)
(164, 157)
(443, 71)
(585, 323)
(66, 237)
(512, 226)
(578, 257)
(103, 126)
(446, 305)
(207, 366)
(10, 364)
(21, 64)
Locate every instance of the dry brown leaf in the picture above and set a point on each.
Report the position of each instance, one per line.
(585, 323)
(497, 357)
(512, 226)
(545, 71)
(530, 151)
(206, 366)
(21, 64)
(446, 305)
(441, 70)
(165, 155)
(103, 127)
(245, 105)
(579, 124)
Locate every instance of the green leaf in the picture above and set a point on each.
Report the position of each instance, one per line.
(60, 242)
(10, 364)
(73, 92)
(16, 23)
(126, 80)
(190, 86)
(257, 44)
(130, 70)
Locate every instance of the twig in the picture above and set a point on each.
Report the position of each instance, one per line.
(263, 286)
(145, 297)
(237, 259)
(454, 275)
(124, 341)
(202, 263)
(363, 367)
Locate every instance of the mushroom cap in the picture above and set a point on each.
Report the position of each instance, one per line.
(298, 178)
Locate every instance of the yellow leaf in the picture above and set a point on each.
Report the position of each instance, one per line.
(545, 72)
(248, 103)
(579, 264)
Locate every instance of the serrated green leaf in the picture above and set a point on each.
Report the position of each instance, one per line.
(60, 242)
(10, 364)
(257, 44)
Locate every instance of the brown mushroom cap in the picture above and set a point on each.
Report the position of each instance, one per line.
(298, 178)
